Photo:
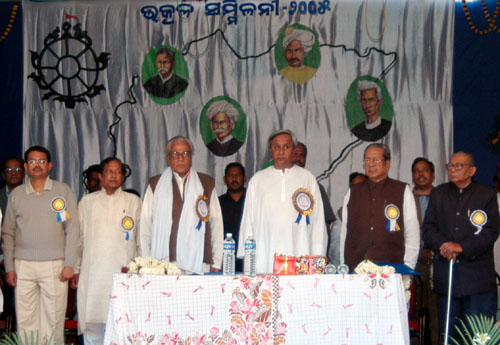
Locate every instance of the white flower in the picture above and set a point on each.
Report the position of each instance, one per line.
(481, 339)
(147, 265)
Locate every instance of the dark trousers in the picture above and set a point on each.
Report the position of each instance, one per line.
(482, 303)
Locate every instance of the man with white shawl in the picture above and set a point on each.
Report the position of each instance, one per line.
(181, 219)
(109, 224)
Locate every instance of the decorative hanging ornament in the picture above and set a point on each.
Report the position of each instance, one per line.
(13, 15)
(492, 26)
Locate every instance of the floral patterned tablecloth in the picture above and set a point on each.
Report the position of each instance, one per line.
(315, 309)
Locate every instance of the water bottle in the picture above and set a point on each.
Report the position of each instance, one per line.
(249, 263)
(228, 255)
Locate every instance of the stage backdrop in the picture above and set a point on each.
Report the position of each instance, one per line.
(125, 76)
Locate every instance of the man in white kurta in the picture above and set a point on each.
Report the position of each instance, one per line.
(278, 224)
(109, 221)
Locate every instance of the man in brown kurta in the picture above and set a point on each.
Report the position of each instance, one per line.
(379, 216)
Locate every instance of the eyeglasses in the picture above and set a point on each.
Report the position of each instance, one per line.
(177, 155)
(34, 162)
(11, 170)
(375, 160)
(457, 166)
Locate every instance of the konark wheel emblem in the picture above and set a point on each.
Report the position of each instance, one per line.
(67, 66)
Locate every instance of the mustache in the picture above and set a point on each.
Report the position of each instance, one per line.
(164, 69)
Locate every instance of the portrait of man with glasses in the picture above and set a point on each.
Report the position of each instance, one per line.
(181, 219)
(389, 230)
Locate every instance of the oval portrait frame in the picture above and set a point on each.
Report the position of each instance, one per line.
(312, 59)
(354, 112)
(149, 70)
(239, 131)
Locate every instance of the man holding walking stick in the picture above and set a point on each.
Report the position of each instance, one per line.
(462, 224)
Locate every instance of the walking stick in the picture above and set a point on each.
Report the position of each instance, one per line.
(450, 281)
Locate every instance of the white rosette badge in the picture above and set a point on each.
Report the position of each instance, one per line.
(303, 202)
(392, 214)
(202, 210)
(478, 218)
(58, 205)
(128, 225)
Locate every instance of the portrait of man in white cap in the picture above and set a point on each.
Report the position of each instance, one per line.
(297, 44)
(223, 117)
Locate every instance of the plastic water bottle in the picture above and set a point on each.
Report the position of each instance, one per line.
(249, 263)
(228, 255)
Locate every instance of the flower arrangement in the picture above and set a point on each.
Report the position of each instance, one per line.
(368, 267)
(480, 330)
(147, 265)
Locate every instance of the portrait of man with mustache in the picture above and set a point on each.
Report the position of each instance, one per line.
(166, 83)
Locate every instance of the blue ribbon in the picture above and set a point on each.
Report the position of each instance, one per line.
(127, 237)
(298, 218)
(59, 218)
(198, 227)
(388, 226)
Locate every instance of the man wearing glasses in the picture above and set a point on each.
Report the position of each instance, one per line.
(461, 224)
(13, 175)
(379, 215)
(181, 219)
(41, 244)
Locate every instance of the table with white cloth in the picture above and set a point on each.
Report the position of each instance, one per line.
(312, 309)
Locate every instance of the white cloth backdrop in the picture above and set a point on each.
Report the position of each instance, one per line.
(419, 31)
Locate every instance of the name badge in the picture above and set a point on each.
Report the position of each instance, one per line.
(478, 218)
(202, 210)
(58, 205)
(392, 214)
(128, 225)
(303, 202)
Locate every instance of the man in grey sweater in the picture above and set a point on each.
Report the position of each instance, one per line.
(41, 244)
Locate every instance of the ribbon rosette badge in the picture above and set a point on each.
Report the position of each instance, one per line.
(478, 218)
(127, 225)
(303, 202)
(58, 205)
(392, 214)
(202, 210)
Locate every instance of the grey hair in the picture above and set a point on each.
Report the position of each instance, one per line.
(387, 151)
(282, 131)
(469, 155)
(225, 107)
(177, 139)
(367, 85)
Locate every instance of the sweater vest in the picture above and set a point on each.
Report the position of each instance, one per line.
(367, 234)
(208, 184)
